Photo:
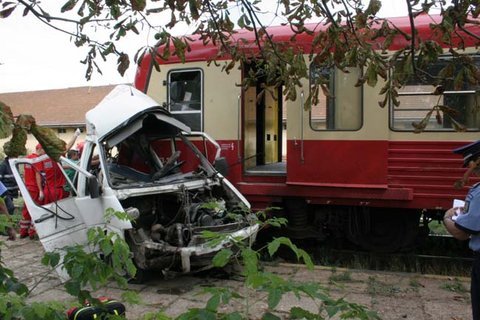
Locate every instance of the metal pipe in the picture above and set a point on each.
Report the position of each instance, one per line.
(239, 129)
(302, 100)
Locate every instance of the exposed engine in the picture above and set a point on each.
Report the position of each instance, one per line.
(178, 219)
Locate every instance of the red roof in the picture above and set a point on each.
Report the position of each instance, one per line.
(59, 107)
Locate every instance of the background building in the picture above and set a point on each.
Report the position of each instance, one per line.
(62, 110)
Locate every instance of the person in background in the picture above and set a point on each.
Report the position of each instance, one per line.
(55, 181)
(463, 223)
(44, 181)
(33, 181)
(11, 233)
(73, 155)
(6, 177)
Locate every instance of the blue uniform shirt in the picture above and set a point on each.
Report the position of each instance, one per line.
(469, 221)
(3, 189)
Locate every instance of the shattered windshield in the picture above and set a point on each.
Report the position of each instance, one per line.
(152, 154)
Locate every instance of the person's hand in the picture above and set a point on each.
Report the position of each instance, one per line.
(41, 196)
(77, 133)
(450, 213)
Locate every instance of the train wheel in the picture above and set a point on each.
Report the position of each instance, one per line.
(383, 230)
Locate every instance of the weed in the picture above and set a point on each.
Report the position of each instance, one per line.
(454, 286)
(345, 276)
(436, 227)
(414, 284)
(375, 287)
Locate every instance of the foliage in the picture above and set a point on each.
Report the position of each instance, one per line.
(106, 259)
(455, 286)
(376, 287)
(274, 286)
(345, 276)
(344, 34)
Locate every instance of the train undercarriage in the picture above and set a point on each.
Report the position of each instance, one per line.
(368, 228)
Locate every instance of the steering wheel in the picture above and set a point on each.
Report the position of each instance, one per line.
(168, 166)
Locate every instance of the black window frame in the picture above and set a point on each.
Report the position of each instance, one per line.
(180, 114)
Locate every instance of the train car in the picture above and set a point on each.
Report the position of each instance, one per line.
(346, 167)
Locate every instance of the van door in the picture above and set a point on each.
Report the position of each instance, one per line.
(64, 222)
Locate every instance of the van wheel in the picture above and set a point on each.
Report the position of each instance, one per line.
(139, 277)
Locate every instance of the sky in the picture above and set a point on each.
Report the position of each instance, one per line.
(35, 57)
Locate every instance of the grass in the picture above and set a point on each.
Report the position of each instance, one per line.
(345, 276)
(455, 286)
(437, 228)
(376, 287)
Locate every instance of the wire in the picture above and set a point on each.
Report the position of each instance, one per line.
(57, 206)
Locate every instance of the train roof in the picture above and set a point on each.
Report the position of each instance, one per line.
(303, 41)
(283, 34)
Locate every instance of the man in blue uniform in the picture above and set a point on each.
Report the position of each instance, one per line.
(464, 223)
(6, 177)
(11, 233)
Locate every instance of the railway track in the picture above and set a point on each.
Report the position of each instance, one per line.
(441, 255)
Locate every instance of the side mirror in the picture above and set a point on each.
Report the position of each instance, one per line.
(221, 166)
(93, 187)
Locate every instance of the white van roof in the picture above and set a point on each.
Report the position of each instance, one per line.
(122, 104)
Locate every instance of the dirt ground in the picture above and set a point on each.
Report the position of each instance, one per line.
(391, 295)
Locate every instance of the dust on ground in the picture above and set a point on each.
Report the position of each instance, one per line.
(391, 295)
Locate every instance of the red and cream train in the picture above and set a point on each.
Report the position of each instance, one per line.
(344, 168)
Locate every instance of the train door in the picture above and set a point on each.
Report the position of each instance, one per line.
(263, 129)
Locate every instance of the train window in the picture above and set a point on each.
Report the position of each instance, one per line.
(417, 98)
(185, 96)
(339, 111)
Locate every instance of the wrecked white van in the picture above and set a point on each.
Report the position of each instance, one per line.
(152, 167)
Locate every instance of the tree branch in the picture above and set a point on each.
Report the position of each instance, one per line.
(413, 35)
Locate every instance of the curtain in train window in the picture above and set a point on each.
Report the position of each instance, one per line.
(418, 97)
(342, 110)
(186, 97)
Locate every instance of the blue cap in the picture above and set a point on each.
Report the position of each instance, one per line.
(470, 152)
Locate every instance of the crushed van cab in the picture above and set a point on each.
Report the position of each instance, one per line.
(140, 160)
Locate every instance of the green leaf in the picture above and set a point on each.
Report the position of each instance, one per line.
(7, 12)
(274, 297)
(371, 75)
(6, 120)
(138, 5)
(233, 316)
(51, 259)
(73, 287)
(69, 5)
(301, 254)
(123, 62)
(222, 258)
(76, 271)
(106, 247)
(299, 313)
(270, 316)
(273, 246)
(332, 310)
(213, 303)
(193, 9)
(373, 7)
(250, 259)
(459, 80)
(131, 297)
